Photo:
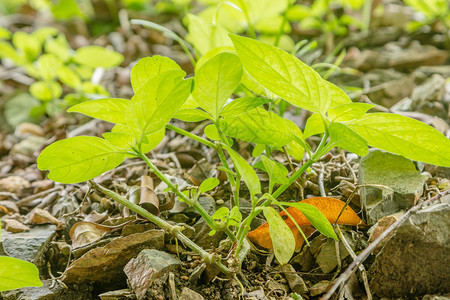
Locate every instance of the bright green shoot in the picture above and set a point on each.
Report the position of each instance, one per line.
(162, 92)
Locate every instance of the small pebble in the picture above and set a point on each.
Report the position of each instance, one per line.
(220, 202)
(184, 277)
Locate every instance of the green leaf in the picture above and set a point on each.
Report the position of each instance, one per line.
(315, 217)
(79, 159)
(96, 56)
(122, 137)
(314, 125)
(337, 95)
(211, 132)
(192, 115)
(148, 68)
(404, 136)
(155, 103)
(208, 185)
(347, 139)
(277, 172)
(48, 65)
(246, 171)
(28, 44)
(16, 273)
(282, 238)
(69, 77)
(296, 148)
(221, 213)
(258, 126)
(242, 105)
(215, 81)
(283, 74)
(59, 47)
(235, 217)
(108, 109)
(348, 112)
(46, 90)
(205, 36)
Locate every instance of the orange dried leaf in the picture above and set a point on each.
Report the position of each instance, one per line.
(330, 208)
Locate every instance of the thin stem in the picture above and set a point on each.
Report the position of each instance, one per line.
(281, 30)
(235, 184)
(251, 30)
(184, 45)
(183, 197)
(192, 136)
(175, 230)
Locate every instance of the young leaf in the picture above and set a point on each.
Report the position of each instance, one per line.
(235, 217)
(208, 185)
(246, 171)
(314, 125)
(96, 56)
(215, 81)
(404, 136)
(347, 139)
(337, 95)
(277, 172)
(108, 109)
(258, 126)
(16, 273)
(211, 132)
(46, 90)
(68, 77)
(204, 36)
(191, 115)
(281, 235)
(79, 159)
(348, 112)
(122, 137)
(221, 213)
(154, 104)
(148, 68)
(242, 105)
(283, 74)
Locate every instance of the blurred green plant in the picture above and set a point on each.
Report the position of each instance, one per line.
(46, 56)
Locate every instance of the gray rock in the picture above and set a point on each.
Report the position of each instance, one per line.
(202, 237)
(148, 266)
(415, 260)
(28, 245)
(188, 294)
(103, 266)
(123, 294)
(327, 259)
(395, 172)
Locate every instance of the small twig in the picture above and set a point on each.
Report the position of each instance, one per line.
(173, 292)
(30, 198)
(355, 179)
(320, 181)
(361, 267)
(288, 158)
(364, 254)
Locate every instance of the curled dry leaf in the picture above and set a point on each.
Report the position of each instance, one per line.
(330, 208)
(83, 233)
(41, 216)
(149, 200)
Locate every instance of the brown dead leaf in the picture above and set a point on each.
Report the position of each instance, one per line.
(41, 216)
(330, 207)
(149, 200)
(83, 233)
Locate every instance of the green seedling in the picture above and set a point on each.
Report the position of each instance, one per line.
(162, 92)
(46, 56)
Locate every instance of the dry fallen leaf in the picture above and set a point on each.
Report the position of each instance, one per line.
(83, 233)
(330, 208)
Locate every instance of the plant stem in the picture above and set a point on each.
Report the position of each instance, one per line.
(251, 30)
(175, 230)
(235, 184)
(192, 136)
(183, 197)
